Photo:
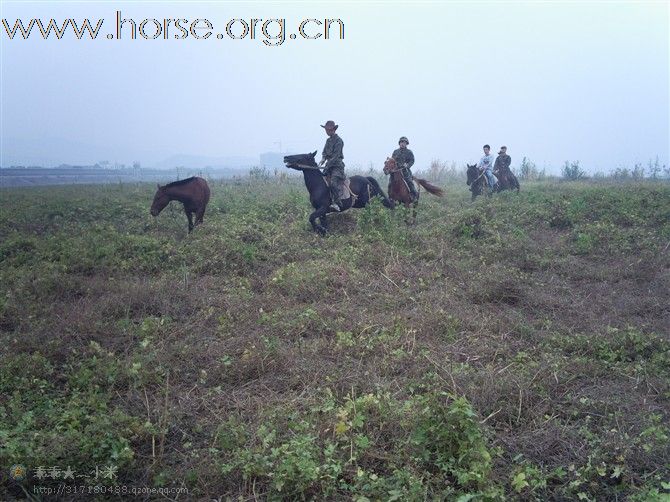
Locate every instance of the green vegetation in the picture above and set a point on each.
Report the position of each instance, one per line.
(512, 348)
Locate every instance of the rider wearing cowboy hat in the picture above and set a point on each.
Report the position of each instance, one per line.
(404, 159)
(501, 166)
(331, 159)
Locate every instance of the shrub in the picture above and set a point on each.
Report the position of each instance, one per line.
(571, 171)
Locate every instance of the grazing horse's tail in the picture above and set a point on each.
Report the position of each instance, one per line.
(377, 191)
(435, 190)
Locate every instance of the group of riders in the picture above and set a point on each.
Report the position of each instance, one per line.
(498, 175)
(332, 161)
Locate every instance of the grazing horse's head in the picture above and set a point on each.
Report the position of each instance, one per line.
(161, 199)
(301, 159)
(389, 165)
(472, 173)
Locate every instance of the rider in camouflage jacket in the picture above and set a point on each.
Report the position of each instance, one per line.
(404, 159)
(332, 159)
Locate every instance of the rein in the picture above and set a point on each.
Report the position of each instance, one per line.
(477, 178)
(397, 170)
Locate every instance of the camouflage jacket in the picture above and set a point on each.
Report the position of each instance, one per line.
(502, 163)
(403, 156)
(332, 151)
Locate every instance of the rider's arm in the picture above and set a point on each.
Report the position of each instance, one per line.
(338, 146)
(323, 155)
(410, 158)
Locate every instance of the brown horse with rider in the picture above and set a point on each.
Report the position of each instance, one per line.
(400, 191)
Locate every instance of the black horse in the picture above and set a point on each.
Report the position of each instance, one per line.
(364, 188)
(477, 182)
(507, 180)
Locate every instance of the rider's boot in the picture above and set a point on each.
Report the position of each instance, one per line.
(334, 199)
(413, 192)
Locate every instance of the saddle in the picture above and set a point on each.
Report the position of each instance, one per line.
(346, 189)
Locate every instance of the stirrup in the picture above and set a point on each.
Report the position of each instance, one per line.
(335, 207)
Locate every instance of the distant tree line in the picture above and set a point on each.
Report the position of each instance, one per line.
(572, 171)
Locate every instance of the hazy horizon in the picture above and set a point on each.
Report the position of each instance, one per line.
(553, 81)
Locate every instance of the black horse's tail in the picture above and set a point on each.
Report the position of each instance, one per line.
(377, 191)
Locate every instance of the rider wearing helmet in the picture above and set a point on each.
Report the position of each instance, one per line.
(404, 159)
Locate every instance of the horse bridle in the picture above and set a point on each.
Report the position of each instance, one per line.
(305, 166)
(397, 169)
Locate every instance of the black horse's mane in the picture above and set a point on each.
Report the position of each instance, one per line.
(180, 182)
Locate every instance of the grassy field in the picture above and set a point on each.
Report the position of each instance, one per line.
(511, 348)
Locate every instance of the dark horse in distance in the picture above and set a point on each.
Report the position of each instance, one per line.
(192, 192)
(399, 191)
(507, 180)
(479, 184)
(361, 190)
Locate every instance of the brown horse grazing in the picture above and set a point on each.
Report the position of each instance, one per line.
(399, 191)
(192, 192)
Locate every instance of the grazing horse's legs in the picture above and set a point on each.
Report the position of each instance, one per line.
(189, 215)
(199, 214)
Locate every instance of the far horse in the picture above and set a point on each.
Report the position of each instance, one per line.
(361, 190)
(507, 180)
(192, 192)
(479, 184)
(398, 189)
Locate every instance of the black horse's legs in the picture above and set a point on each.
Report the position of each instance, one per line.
(324, 222)
(312, 221)
(476, 190)
(321, 215)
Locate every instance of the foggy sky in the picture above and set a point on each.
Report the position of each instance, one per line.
(553, 81)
